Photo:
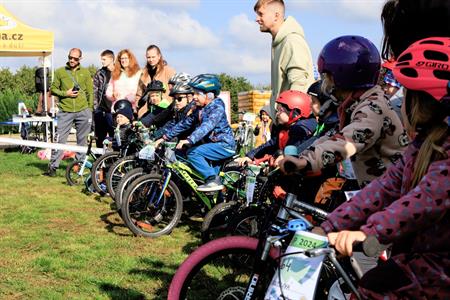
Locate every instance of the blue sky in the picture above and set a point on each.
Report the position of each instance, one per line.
(195, 36)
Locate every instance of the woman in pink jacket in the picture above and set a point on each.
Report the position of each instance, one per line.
(409, 205)
(124, 79)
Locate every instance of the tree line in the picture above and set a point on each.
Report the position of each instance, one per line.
(19, 86)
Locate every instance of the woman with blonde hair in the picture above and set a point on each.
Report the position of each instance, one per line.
(124, 79)
(155, 69)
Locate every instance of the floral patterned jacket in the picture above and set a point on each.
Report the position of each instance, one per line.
(371, 135)
(416, 221)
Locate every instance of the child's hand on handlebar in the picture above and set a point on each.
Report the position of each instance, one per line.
(242, 161)
(158, 142)
(292, 164)
(182, 143)
(277, 161)
(343, 240)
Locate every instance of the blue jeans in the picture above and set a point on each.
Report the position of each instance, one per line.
(202, 157)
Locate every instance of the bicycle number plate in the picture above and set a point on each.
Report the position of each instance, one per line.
(147, 153)
(298, 274)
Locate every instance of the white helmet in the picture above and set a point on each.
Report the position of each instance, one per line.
(180, 77)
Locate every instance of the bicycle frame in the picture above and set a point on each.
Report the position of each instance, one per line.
(89, 155)
(274, 237)
(191, 177)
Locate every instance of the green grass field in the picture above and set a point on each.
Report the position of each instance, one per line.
(59, 243)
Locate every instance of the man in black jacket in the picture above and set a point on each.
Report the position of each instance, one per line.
(103, 120)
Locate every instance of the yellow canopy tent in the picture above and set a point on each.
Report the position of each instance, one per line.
(18, 40)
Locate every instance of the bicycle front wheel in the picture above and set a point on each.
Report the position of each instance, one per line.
(100, 168)
(148, 209)
(216, 221)
(124, 184)
(221, 269)
(73, 175)
(117, 171)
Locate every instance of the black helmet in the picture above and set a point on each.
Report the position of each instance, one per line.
(156, 85)
(181, 88)
(316, 91)
(122, 104)
(125, 108)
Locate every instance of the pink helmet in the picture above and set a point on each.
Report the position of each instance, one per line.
(425, 66)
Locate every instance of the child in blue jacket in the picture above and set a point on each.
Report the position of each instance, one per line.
(212, 140)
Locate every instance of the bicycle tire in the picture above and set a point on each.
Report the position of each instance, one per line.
(117, 170)
(227, 246)
(100, 168)
(247, 221)
(136, 197)
(72, 176)
(217, 219)
(124, 183)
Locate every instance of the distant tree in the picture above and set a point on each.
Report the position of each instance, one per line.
(6, 80)
(24, 80)
(234, 85)
(92, 69)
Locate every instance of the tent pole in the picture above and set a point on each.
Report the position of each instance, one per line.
(45, 95)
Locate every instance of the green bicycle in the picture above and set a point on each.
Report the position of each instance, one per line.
(153, 204)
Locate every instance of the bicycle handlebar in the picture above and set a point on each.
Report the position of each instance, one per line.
(311, 209)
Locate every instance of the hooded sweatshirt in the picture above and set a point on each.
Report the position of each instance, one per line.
(292, 66)
(371, 135)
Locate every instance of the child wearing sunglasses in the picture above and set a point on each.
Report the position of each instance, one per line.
(183, 106)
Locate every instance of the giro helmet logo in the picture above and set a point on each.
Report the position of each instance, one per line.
(432, 64)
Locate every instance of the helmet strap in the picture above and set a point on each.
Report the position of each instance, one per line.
(293, 117)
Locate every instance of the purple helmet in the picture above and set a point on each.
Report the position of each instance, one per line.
(354, 62)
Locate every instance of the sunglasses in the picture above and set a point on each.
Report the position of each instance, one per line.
(179, 99)
(74, 58)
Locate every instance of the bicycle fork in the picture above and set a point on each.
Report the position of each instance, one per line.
(86, 164)
(270, 240)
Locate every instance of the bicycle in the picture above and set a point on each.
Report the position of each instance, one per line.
(101, 166)
(221, 268)
(153, 203)
(78, 171)
(244, 133)
(219, 221)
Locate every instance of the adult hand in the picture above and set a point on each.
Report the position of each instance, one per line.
(343, 240)
(182, 143)
(243, 160)
(71, 93)
(299, 163)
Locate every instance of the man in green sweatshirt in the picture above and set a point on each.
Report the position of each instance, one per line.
(72, 84)
(292, 66)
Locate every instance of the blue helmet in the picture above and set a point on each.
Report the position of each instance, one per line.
(207, 83)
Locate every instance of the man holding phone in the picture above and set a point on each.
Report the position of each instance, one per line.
(72, 84)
